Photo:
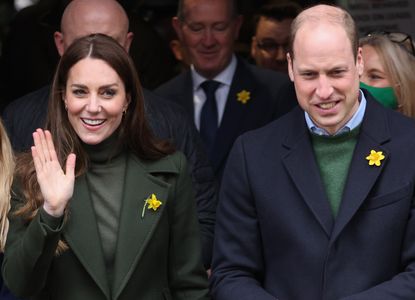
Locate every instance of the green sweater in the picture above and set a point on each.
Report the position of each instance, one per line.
(105, 179)
(333, 155)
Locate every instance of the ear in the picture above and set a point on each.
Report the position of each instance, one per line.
(359, 61)
(58, 37)
(253, 47)
(290, 67)
(128, 41)
(176, 48)
(177, 25)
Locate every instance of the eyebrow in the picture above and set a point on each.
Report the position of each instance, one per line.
(78, 85)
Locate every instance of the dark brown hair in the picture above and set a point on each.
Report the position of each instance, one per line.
(134, 134)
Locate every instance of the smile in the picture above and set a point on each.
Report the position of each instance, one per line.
(327, 105)
(93, 122)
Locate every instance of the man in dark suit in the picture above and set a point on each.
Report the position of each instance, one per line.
(223, 94)
(320, 203)
(168, 121)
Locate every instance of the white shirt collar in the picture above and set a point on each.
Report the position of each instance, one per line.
(224, 77)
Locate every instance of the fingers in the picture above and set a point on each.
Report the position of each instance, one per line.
(50, 145)
(70, 166)
(44, 145)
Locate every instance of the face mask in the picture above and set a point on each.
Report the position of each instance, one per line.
(385, 95)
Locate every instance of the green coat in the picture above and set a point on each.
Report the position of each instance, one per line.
(157, 256)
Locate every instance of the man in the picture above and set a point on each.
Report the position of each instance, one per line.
(168, 121)
(272, 29)
(320, 203)
(224, 95)
(29, 55)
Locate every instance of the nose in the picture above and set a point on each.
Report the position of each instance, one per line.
(324, 88)
(208, 38)
(93, 105)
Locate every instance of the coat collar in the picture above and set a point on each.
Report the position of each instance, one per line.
(374, 134)
(135, 232)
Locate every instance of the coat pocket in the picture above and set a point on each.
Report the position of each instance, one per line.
(396, 195)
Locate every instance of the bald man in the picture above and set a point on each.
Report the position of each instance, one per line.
(29, 55)
(168, 121)
(320, 203)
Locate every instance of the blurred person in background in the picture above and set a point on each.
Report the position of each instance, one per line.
(272, 29)
(389, 70)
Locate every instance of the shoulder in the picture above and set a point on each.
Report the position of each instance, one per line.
(174, 163)
(174, 85)
(263, 76)
(34, 101)
(156, 104)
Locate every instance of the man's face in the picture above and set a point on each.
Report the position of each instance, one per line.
(270, 44)
(326, 75)
(208, 31)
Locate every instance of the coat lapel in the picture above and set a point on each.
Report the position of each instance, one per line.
(82, 235)
(374, 133)
(303, 169)
(234, 115)
(135, 231)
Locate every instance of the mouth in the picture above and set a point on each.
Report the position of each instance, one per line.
(93, 122)
(327, 105)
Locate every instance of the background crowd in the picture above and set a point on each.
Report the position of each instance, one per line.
(117, 87)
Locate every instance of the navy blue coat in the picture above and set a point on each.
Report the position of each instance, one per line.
(276, 237)
(271, 95)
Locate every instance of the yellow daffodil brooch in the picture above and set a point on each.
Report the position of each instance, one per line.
(152, 203)
(244, 96)
(375, 158)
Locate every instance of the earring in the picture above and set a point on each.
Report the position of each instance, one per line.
(66, 107)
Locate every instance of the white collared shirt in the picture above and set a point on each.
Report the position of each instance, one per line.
(354, 121)
(221, 94)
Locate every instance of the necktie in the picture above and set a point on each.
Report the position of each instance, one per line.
(209, 115)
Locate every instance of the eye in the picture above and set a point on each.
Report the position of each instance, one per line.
(337, 72)
(195, 27)
(79, 92)
(375, 77)
(109, 93)
(220, 27)
(308, 75)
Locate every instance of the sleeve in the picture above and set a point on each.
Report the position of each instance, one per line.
(237, 265)
(402, 285)
(187, 277)
(205, 188)
(30, 249)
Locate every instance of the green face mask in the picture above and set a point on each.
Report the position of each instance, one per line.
(386, 96)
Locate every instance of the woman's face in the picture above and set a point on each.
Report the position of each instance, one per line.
(373, 71)
(95, 98)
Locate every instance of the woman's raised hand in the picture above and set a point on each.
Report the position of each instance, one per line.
(56, 186)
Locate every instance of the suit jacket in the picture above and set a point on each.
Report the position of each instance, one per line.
(158, 256)
(288, 245)
(271, 95)
(167, 120)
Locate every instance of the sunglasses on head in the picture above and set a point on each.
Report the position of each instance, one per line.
(400, 38)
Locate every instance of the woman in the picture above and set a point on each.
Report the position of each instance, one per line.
(6, 178)
(120, 222)
(389, 65)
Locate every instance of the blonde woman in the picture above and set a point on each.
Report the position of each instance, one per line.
(6, 178)
(389, 65)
